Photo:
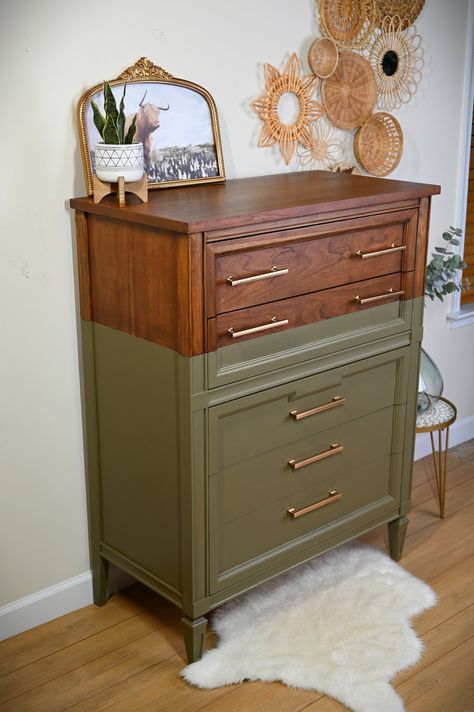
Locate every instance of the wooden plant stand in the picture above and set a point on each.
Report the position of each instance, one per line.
(138, 187)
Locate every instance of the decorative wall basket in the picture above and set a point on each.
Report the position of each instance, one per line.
(396, 56)
(349, 23)
(403, 8)
(323, 57)
(378, 144)
(276, 85)
(349, 95)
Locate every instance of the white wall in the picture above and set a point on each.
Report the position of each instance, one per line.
(50, 52)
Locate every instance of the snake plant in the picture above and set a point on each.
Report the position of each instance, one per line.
(112, 126)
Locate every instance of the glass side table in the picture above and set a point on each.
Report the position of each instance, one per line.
(439, 416)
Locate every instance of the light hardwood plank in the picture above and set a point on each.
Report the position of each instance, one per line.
(455, 591)
(447, 684)
(34, 644)
(127, 655)
(159, 687)
(425, 490)
(440, 641)
(262, 697)
(100, 674)
(85, 651)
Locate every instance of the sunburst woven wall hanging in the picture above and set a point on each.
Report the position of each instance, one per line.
(328, 149)
(349, 23)
(396, 56)
(276, 85)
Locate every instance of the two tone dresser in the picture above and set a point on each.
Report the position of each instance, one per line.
(250, 365)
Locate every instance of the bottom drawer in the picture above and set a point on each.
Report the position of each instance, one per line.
(241, 546)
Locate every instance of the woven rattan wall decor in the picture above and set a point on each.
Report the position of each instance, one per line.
(409, 9)
(349, 95)
(369, 56)
(378, 144)
(326, 150)
(349, 23)
(276, 85)
(396, 56)
(323, 57)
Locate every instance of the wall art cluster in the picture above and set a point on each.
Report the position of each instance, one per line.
(367, 62)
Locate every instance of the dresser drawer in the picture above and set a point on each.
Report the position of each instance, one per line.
(252, 483)
(248, 544)
(362, 332)
(241, 429)
(285, 314)
(256, 270)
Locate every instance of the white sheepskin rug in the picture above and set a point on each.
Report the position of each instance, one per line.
(339, 624)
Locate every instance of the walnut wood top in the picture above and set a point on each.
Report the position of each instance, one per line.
(255, 200)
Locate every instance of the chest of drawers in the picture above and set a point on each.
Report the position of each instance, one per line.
(250, 357)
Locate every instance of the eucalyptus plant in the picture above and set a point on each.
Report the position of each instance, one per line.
(441, 272)
(112, 126)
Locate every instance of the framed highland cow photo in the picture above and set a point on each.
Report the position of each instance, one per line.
(175, 120)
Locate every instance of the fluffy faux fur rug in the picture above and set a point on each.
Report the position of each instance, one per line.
(339, 625)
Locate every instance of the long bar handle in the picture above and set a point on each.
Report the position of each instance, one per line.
(274, 324)
(393, 248)
(333, 496)
(334, 449)
(274, 272)
(334, 403)
(389, 293)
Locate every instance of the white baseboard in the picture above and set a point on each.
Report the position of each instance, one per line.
(460, 431)
(54, 601)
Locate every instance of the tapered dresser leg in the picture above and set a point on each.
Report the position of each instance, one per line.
(193, 634)
(396, 537)
(100, 576)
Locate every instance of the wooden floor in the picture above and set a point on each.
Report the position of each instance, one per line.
(126, 655)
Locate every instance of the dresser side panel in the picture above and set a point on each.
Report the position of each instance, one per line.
(138, 423)
(147, 282)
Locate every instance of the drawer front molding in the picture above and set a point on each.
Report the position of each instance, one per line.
(266, 268)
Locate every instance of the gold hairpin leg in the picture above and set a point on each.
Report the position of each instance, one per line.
(440, 461)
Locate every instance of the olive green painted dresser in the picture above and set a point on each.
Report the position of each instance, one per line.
(250, 356)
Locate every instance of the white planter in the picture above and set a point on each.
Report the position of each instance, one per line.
(113, 161)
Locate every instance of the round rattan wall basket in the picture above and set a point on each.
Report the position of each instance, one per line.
(378, 144)
(350, 23)
(401, 8)
(323, 57)
(349, 95)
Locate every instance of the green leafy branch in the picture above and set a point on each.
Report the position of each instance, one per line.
(112, 126)
(441, 272)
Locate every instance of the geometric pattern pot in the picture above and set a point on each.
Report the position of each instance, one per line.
(115, 160)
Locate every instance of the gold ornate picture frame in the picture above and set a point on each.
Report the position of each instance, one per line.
(176, 121)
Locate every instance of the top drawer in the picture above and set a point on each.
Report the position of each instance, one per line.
(253, 270)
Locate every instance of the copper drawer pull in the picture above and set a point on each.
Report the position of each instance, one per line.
(334, 449)
(333, 497)
(274, 272)
(393, 248)
(274, 324)
(336, 400)
(379, 297)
